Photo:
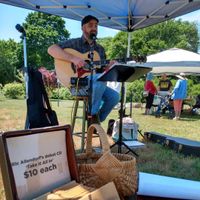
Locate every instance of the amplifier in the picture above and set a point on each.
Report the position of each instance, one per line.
(79, 86)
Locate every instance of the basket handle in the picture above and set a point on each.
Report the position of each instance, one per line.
(102, 135)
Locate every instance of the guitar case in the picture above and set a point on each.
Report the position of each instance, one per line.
(155, 137)
(180, 145)
(185, 146)
(39, 111)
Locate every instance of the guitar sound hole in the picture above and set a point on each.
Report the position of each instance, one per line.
(73, 68)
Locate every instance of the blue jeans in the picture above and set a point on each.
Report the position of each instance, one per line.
(103, 98)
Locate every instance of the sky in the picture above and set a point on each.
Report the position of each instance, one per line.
(10, 16)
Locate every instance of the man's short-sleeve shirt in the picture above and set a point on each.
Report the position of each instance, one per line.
(165, 85)
(82, 46)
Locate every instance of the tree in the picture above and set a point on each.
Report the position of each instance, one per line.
(42, 31)
(106, 42)
(156, 38)
(151, 40)
(9, 61)
(165, 35)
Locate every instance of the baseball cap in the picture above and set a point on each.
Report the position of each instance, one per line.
(88, 18)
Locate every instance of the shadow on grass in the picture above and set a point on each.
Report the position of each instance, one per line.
(189, 117)
(184, 116)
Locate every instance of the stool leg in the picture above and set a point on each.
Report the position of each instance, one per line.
(74, 114)
(83, 125)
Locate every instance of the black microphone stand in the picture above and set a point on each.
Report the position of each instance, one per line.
(25, 68)
(90, 91)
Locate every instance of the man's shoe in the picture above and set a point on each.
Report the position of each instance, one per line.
(94, 120)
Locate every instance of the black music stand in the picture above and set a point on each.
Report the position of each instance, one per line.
(124, 73)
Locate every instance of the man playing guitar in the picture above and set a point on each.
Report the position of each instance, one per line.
(103, 98)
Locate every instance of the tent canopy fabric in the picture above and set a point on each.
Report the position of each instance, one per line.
(174, 61)
(124, 15)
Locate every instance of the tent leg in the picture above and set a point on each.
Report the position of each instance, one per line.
(129, 45)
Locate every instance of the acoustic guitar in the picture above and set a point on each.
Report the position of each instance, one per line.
(66, 70)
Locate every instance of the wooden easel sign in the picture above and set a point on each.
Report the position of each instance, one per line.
(37, 161)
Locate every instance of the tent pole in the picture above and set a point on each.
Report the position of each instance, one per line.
(127, 56)
(129, 45)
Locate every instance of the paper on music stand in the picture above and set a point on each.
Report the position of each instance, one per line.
(124, 72)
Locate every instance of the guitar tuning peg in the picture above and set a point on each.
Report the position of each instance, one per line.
(140, 58)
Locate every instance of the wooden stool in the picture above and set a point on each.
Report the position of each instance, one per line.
(83, 117)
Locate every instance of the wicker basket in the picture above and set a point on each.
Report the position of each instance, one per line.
(97, 169)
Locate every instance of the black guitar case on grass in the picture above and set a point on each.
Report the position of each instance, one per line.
(156, 137)
(181, 145)
(39, 111)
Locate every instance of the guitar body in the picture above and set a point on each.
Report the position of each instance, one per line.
(65, 70)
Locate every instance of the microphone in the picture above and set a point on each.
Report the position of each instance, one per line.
(93, 36)
(20, 29)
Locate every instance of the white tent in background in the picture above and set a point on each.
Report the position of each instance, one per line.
(174, 61)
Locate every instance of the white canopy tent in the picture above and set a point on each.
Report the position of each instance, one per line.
(174, 61)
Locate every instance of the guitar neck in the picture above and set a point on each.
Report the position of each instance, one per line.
(105, 62)
(65, 70)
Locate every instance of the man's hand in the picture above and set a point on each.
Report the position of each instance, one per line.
(78, 62)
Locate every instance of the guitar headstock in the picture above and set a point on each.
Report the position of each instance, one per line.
(136, 58)
(123, 60)
(139, 58)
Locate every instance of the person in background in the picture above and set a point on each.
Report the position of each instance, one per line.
(196, 105)
(178, 94)
(164, 90)
(151, 89)
(164, 85)
(103, 98)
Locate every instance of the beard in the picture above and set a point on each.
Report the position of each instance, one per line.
(93, 36)
(90, 35)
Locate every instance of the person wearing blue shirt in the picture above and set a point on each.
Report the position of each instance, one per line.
(179, 93)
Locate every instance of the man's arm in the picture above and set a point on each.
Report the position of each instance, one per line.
(57, 52)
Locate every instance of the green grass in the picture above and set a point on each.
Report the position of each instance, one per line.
(154, 158)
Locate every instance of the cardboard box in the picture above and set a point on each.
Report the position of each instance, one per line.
(75, 191)
(70, 191)
(106, 192)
